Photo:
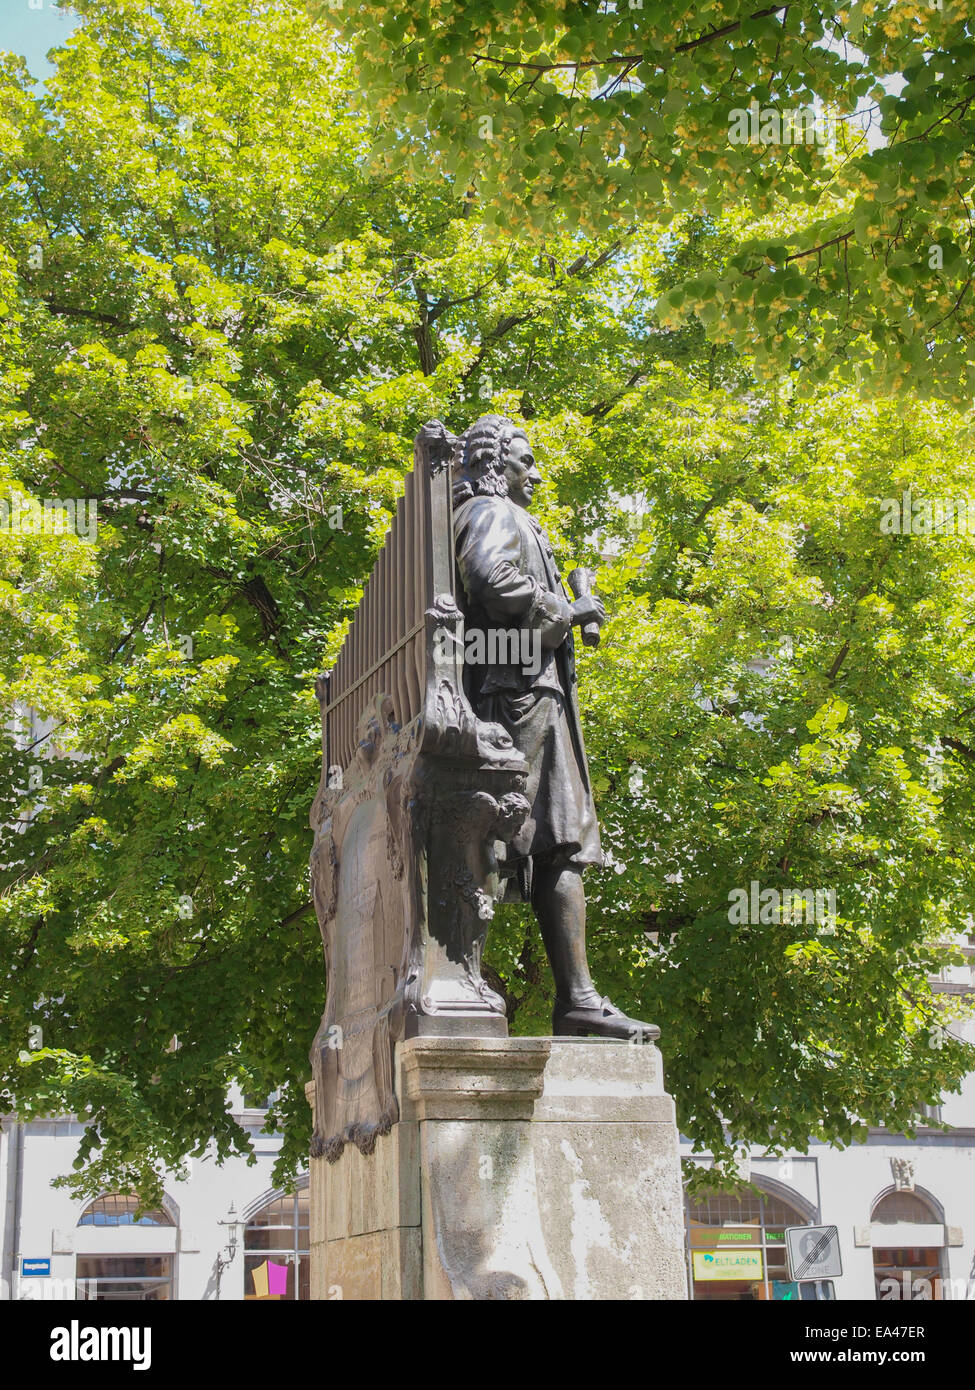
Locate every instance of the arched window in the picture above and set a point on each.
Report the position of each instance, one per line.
(737, 1244)
(116, 1209)
(903, 1206)
(276, 1245)
(114, 1274)
(906, 1271)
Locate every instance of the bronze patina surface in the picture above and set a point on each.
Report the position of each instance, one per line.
(453, 774)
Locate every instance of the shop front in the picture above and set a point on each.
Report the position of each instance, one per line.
(736, 1246)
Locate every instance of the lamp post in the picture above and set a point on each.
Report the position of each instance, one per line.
(223, 1261)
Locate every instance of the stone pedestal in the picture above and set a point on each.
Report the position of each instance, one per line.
(524, 1168)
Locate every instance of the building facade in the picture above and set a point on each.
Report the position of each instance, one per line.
(223, 1232)
(904, 1208)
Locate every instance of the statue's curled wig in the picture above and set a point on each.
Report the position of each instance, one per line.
(479, 457)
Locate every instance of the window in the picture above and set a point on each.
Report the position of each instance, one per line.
(124, 1278)
(901, 1272)
(904, 1274)
(115, 1209)
(253, 1101)
(902, 1206)
(737, 1245)
(276, 1244)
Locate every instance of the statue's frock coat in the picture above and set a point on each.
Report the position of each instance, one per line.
(509, 580)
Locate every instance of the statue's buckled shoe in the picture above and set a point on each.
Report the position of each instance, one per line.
(602, 1020)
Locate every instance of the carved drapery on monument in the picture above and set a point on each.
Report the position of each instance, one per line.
(415, 794)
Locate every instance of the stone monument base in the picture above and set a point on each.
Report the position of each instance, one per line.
(520, 1168)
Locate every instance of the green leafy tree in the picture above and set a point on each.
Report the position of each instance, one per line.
(847, 136)
(224, 324)
(803, 683)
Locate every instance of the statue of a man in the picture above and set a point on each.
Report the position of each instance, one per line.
(510, 586)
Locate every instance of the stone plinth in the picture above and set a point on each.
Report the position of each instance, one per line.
(525, 1168)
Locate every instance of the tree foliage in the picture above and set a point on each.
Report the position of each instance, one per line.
(857, 250)
(225, 324)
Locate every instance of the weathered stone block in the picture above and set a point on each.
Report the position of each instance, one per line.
(522, 1168)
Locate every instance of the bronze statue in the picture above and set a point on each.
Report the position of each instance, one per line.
(453, 774)
(509, 584)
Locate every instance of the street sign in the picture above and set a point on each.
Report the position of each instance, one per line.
(814, 1252)
(35, 1269)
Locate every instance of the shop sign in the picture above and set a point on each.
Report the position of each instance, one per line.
(723, 1237)
(727, 1264)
